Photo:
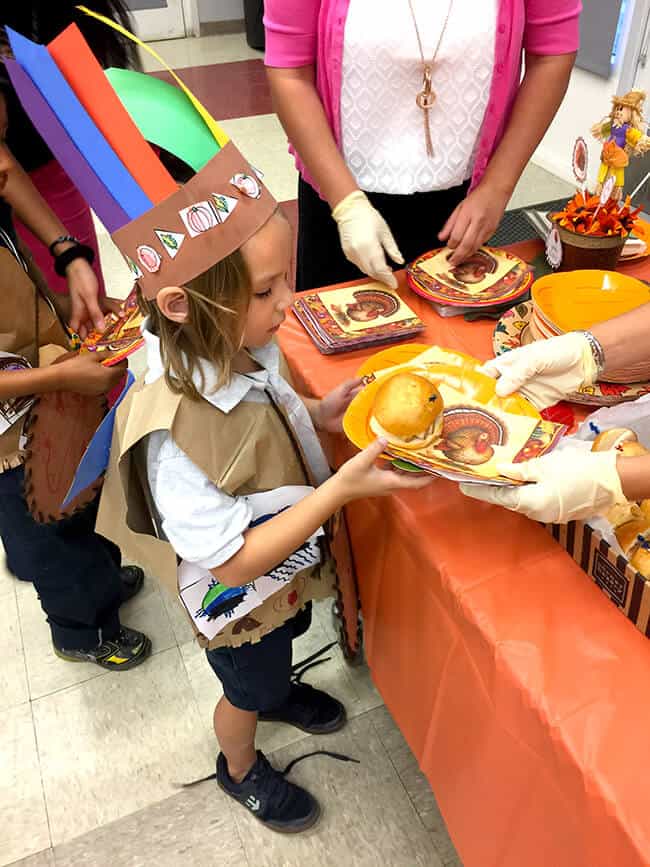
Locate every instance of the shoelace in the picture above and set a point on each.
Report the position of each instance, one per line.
(297, 672)
(331, 755)
(302, 667)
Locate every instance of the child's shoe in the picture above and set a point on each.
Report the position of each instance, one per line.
(129, 649)
(310, 710)
(131, 579)
(277, 803)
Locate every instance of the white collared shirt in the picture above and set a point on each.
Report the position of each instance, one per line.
(203, 524)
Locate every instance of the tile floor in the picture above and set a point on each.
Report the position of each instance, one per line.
(92, 763)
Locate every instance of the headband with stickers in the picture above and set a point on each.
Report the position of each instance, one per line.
(99, 125)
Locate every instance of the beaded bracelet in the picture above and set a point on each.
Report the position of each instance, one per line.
(79, 251)
(597, 351)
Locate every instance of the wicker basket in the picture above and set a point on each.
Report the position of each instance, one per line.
(589, 251)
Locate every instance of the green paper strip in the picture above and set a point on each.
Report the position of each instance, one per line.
(165, 116)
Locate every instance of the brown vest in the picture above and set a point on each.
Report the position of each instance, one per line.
(245, 451)
(28, 321)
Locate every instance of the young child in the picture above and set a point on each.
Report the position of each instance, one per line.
(212, 341)
(216, 464)
(76, 573)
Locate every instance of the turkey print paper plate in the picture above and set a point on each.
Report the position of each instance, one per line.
(480, 430)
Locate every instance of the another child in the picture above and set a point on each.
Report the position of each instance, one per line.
(76, 573)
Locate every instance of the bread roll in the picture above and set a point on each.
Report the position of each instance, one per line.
(611, 439)
(629, 534)
(644, 507)
(631, 450)
(641, 560)
(407, 410)
(622, 513)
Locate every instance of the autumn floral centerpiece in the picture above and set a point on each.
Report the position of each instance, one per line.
(593, 234)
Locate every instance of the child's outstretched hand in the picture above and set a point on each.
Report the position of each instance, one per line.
(331, 409)
(361, 477)
(85, 374)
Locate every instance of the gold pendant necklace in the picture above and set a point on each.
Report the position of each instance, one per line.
(426, 97)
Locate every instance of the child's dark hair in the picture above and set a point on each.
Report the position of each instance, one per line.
(217, 303)
(43, 20)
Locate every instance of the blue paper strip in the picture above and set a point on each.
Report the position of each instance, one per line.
(65, 150)
(41, 68)
(96, 457)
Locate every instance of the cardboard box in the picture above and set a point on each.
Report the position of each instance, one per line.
(626, 587)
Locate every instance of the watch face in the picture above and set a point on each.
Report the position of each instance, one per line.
(554, 248)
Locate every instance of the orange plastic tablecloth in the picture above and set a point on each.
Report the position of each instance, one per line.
(520, 688)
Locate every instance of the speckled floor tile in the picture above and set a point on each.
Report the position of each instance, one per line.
(13, 674)
(367, 817)
(194, 827)
(47, 673)
(416, 784)
(116, 744)
(23, 828)
(41, 859)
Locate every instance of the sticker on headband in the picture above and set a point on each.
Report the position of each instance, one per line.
(149, 258)
(246, 185)
(133, 268)
(554, 248)
(171, 241)
(199, 218)
(225, 205)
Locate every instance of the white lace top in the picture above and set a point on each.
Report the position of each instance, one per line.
(382, 127)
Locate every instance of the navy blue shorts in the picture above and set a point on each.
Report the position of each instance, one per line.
(257, 676)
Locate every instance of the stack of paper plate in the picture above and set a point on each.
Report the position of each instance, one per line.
(489, 280)
(576, 301)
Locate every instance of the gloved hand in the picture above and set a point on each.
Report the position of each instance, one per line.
(365, 236)
(569, 484)
(546, 371)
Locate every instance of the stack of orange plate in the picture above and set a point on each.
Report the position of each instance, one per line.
(578, 300)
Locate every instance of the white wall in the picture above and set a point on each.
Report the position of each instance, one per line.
(221, 10)
(588, 99)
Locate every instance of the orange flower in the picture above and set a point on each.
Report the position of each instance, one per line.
(579, 216)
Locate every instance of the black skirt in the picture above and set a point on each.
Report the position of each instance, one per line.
(414, 220)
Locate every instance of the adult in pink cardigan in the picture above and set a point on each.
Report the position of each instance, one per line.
(410, 120)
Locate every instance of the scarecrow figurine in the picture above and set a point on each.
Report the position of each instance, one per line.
(623, 135)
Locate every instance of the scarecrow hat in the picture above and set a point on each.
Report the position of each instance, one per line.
(632, 99)
(99, 124)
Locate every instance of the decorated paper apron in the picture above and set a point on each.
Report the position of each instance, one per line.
(28, 321)
(249, 452)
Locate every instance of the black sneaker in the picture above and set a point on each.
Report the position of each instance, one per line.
(277, 803)
(310, 710)
(131, 579)
(129, 649)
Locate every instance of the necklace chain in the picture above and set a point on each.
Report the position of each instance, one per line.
(426, 97)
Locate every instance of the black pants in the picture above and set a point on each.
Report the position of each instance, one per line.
(258, 676)
(414, 220)
(75, 571)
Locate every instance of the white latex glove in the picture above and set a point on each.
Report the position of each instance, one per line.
(569, 484)
(546, 371)
(365, 236)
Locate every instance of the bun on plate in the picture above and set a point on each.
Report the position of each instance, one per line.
(407, 410)
(613, 438)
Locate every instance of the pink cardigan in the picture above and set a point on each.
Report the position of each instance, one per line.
(306, 32)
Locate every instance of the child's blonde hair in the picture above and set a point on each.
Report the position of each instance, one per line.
(217, 301)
